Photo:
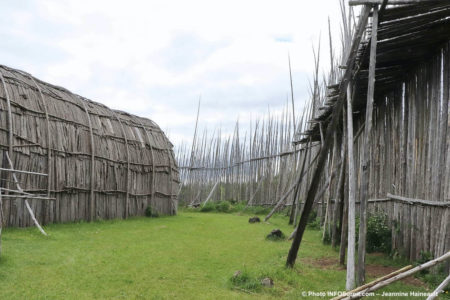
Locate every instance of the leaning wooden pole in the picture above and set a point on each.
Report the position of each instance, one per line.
(372, 283)
(440, 288)
(364, 190)
(323, 152)
(400, 276)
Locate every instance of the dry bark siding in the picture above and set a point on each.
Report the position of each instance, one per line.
(103, 163)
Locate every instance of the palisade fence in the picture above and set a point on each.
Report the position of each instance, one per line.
(256, 167)
(407, 178)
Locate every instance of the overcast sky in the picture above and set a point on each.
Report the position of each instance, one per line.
(155, 58)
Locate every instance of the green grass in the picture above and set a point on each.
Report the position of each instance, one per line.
(190, 256)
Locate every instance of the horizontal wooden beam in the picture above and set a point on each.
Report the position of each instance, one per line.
(28, 197)
(391, 2)
(417, 201)
(23, 172)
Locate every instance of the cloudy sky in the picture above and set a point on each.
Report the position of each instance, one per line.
(155, 58)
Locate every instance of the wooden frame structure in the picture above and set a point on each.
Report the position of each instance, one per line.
(101, 163)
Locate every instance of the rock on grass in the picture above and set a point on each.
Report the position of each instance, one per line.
(275, 235)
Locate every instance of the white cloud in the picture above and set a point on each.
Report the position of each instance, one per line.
(154, 58)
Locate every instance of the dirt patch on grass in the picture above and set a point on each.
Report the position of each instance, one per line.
(377, 271)
(326, 263)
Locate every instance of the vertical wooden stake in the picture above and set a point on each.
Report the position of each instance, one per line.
(350, 282)
(91, 190)
(49, 151)
(366, 152)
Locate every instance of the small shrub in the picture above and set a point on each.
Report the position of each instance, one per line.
(148, 211)
(313, 221)
(327, 237)
(245, 281)
(210, 206)
(424, 256)
(379, 235)
(223, 206)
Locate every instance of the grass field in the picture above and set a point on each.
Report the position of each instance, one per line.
(190, 256)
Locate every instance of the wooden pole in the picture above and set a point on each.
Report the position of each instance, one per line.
(364, 190)
(26, 201)
(440, 288)
(1, 222)
(49, 151)
(323, 152)
(400, 276)
(344, 196)
(350, 279)
(372, 283)
(92, 205)
(338, 200)
(392, 2)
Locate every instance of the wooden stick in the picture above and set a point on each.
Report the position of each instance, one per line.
(211, 192)
(417, 201)
(392, 2)
(26, 201)
(49, 151)
(28, 197)
(92, 205)
(1, 222)
(372, 283)
(439, 289)
(400, 276)
(350, 279)
(366, 154)
(292, 255)
(23, 172)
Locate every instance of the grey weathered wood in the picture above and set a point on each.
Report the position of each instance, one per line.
(439, 289)
(393, 2)
(30, 211)
(350, 278)
(329, 132)
(71, 155)
(365, 155)
(405, 274)
(92, 204)
(1, 222)
(47, 123)
(23, 172)
(418, 201)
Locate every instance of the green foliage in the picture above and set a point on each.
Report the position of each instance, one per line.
(208, 207)
(257, 210)
(223, 206)
(245, 282)
(150, 213)
(227, 206)
(433, 276)
(313, 221)
(379, 235)
(327, 237)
